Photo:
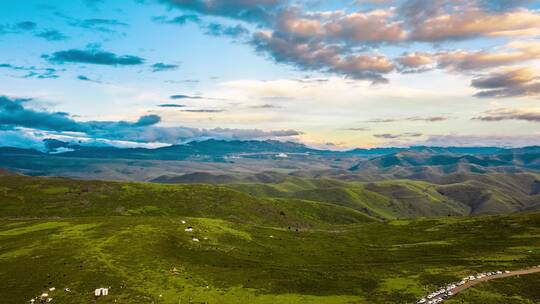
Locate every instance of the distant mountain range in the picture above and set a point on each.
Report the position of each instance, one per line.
(431, 164)
(380, 183)
(220, 161)
(221, 148)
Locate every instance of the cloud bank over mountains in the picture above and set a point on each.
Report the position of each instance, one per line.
(20, 125)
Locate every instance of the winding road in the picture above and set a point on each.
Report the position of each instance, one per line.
(453, 290)
(470, 284)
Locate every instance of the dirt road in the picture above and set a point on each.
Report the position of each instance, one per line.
(470, 284)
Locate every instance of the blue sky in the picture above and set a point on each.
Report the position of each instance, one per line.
(336, 74)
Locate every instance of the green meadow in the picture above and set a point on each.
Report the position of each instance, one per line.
(83, 235)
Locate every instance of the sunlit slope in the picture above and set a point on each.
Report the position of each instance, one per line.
(151, 258)
(131, 237)
(24, 196)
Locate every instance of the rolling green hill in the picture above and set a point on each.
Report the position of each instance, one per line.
(459, 194)
(131, 237)
(59, 197)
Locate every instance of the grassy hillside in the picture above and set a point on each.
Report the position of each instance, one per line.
(143, 257)
(23, 196)
(462, 194)
(130, 237)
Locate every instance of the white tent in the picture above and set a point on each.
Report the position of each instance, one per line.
(101, 292)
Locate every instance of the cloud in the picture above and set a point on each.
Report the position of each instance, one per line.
(427, 119)
(171, 105)
(478, 141)
(509, 82)
(97, 24)
(52, 35)
(510, 114)
(413, 118)
(501, 5)
(21, 139)
(162, 67)
(190, 81)
(180, 96)
(12, 67)
(506, 78)
(15, 115)
(374, 1)
(86, 78)
(265, 106)
(212, 28)
(248, 10)
(358, 129)
(93, 56)
(468, 21)
(17, 28)
(147, 120)
(364, 27)
(383, 120)
(512, 53)
(47, 73)
(217, 29)
(203, 110)
(26, 25)
(180, 20)
(321, 57)
(416, 62)
(31, 71)
(99, 21)
(347, 43)
(397, 136)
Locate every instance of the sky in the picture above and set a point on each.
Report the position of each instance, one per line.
(330, 74)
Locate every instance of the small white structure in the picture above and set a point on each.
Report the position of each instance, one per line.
(44, 295)
(52, 289)
(195, 239)
(189, 229)
(282, 155)
(101, 292)
(183, 222)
